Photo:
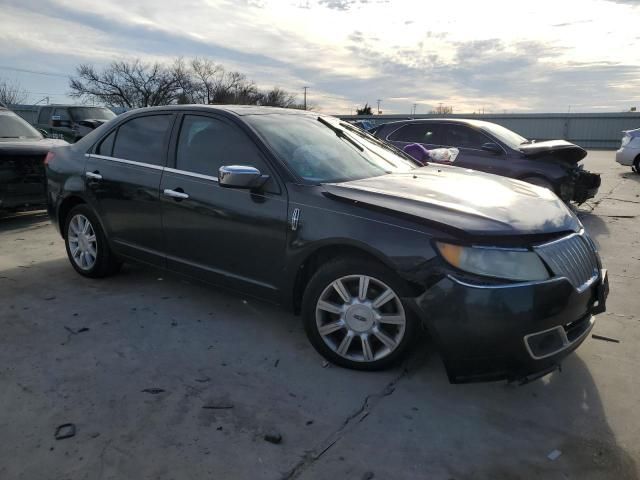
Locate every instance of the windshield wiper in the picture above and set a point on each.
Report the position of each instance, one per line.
(340, 133)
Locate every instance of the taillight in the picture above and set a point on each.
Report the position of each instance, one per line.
(50, 156)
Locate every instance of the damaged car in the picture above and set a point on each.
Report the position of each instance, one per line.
(367, 244)
(492, 148)
(22, 154)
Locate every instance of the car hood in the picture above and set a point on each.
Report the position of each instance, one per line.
(475, 203)
(560, 149)
(28, 146)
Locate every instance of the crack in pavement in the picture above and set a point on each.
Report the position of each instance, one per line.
(353, 419)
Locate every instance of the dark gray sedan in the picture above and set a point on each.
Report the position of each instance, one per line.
(492, 148)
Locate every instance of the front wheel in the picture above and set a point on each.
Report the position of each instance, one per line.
(86, 244)
(354, 316)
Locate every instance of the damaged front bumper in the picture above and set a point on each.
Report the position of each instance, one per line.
(516, 331)
(581, 186)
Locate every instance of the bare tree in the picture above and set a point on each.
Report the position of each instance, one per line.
(127, 84)
(11, 93)
(366, 110)
(276, 97)
(442, 110)
(136, 84)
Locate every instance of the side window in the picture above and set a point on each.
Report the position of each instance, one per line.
(464, 137)
(205, 144)
(105, 147)
(63, 116)
(418, 133)
(142, 139)
(45, 115)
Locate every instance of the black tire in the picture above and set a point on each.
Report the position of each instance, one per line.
(339, 268)
(540, 182)
(105, 262)
(636, 165)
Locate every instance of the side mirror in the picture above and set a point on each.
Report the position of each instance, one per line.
(492, 148)
(241, 176)
(55, 121)
(44, 133)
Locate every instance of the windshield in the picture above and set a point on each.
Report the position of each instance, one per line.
(13, 126)
(91, 113)
(506, 136)
(325, 150)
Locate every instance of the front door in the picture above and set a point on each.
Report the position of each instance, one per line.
(123, 179)
(232, 237)
(469, 142)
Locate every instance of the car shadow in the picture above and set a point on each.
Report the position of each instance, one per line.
(630, 176)
(20, 220)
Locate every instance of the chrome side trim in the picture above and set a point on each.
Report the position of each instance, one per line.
(507, 285)
(563, 335)
(126, 162)
(191, 174)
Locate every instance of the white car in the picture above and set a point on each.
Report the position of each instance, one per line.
(629, 152)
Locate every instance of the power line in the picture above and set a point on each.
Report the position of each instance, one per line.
(37, 72)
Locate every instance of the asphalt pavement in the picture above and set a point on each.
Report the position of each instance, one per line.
(164, 378)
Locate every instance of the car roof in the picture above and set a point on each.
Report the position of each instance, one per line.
(465, 121)
(239, 110)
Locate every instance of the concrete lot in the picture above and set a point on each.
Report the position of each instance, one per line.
(207, 348)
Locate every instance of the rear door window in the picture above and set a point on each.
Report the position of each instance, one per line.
(418, 133)
(462, 136)
(105, 147)
(143, 139)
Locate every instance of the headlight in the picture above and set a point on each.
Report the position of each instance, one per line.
(520, 265)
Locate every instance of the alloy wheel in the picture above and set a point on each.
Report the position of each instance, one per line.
(82, 241)
(360, 318)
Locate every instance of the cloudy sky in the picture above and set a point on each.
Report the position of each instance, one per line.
(496, 55)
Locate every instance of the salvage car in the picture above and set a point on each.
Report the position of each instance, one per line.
(319, 216)
(492, 148)
(629, 152)
(22, 153)
(71, 122)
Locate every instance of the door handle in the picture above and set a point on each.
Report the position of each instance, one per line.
(175, 194)
(93, 175)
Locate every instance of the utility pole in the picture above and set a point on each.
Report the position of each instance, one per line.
(379, 100)
(415, 105)
(305, 97)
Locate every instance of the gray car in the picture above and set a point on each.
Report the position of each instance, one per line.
(629, 152)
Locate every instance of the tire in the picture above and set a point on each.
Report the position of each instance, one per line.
(540, 182)
(636, 165)
(87, 246)
(330, 317)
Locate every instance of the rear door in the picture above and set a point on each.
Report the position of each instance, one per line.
(232, 237)
(469, 141)
(123, 178)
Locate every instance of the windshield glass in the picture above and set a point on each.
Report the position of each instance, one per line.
(91, 113)
(325, 150)
(506, 136)
(12, 126)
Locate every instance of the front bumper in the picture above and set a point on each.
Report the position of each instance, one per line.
(585, 185)
(514, 332)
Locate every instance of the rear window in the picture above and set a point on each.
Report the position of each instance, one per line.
(143, 139)
(105, 147)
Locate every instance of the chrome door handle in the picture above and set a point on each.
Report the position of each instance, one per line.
(175, 194)
(93, 175)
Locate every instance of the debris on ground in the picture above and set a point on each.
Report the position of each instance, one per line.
(52, 297)
(218, 406)
(273, 437)
(554, 455)
(202, 379)
(153, 391)
(276, 363)
(603, 338)
(367, 476)
(325, 364)
(309, 422)
(75, 332)
(66, 430)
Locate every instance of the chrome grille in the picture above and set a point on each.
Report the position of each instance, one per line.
(573, 257)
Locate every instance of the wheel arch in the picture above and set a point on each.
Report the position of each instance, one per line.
(65, 207)
(313, 259)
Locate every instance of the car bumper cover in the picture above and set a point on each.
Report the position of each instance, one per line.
(514, 332)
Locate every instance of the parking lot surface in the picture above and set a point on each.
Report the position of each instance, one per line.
(164, 378)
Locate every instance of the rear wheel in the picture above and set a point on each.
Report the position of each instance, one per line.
(86, 244)
(354, 316)
(636, 164)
